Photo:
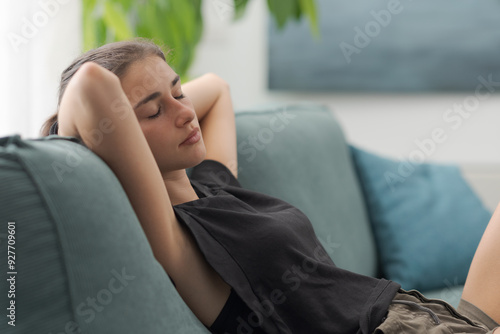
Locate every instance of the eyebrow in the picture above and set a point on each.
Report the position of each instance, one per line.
(155, 94)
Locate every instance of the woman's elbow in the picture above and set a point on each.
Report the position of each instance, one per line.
(218, 81)
(101, 90)
(95, 79)
(94, 97)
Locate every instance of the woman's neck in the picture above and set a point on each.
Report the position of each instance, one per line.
(178, 187)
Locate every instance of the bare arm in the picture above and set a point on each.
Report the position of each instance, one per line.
(95, 101)
(211, 98)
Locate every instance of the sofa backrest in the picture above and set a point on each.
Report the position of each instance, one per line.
(298, 153)
(83, 262)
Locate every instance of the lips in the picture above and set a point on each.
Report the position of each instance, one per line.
(192, 138)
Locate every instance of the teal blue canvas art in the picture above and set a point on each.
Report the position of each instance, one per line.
(389, 46)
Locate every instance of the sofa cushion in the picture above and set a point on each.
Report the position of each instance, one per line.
(452, 293)
(297, 152)
(83, 261)
(426, 219)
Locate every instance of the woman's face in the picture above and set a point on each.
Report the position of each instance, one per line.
(166, 116)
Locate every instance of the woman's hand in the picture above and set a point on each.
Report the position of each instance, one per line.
(211, 98)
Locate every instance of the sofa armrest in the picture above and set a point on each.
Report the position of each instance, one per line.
(485, 180)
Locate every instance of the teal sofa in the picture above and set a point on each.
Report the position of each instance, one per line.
(82, 262)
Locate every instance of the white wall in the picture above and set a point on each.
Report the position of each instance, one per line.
(387, 124)
(39, 38)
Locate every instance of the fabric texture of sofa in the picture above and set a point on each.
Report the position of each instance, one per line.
(83, 263)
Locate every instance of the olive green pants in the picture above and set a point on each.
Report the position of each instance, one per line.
(410, 312)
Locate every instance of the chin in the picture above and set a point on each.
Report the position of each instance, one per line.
(195, 158)
(199, 157)
(169, 162)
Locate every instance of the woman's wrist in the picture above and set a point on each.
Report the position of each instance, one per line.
(204, 92)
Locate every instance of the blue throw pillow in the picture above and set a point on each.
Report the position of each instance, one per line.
(426, 219)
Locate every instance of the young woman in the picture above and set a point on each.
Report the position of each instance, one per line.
(213, 237)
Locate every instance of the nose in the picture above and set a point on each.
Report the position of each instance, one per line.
(185, 115)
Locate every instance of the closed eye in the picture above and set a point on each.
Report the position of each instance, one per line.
(159, 109)
(155, 115)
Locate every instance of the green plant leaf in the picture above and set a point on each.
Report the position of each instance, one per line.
(185, 19)
(198, 17)
(309, 8)
(101, 29)
(239, 9)
(115, 18)
(176, 24)
(89, 25)
(166, 26)
(281, 10)
(127, 4)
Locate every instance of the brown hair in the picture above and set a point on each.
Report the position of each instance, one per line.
(116, 57)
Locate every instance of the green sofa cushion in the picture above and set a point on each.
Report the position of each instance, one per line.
(82, 258)
(298, 153)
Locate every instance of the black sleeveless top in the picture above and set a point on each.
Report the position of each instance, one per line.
(232, 315)
(282, 279)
